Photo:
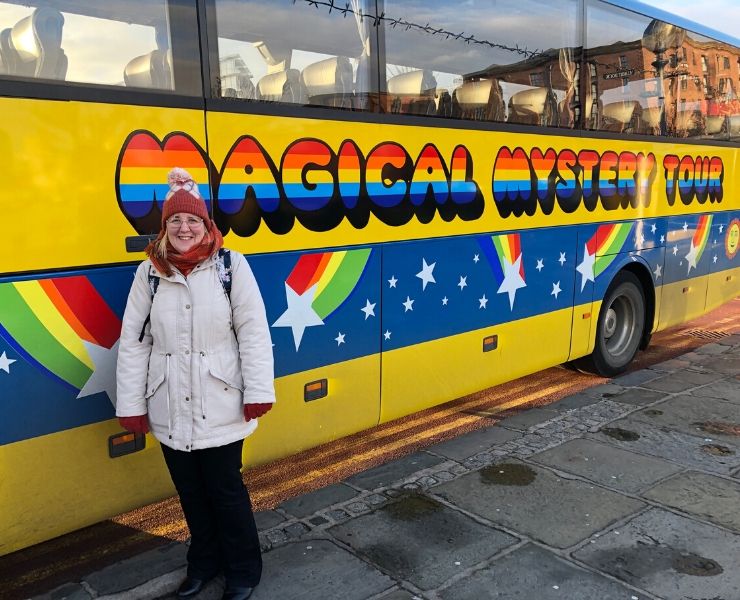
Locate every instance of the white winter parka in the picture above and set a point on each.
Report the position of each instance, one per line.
(201, 358)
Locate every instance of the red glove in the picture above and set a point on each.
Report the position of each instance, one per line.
(252, 411)
(137, 424)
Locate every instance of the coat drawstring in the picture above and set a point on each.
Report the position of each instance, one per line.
(169, 414)
(203, 367)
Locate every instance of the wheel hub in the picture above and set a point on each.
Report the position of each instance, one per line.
(610, 323)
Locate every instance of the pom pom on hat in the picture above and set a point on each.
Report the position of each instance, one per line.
(183, 196)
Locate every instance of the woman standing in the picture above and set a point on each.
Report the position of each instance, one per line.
(195, 367)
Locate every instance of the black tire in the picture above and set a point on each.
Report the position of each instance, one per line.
(620, 328)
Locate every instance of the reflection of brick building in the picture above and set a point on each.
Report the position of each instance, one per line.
(700, 80)
(621, 86)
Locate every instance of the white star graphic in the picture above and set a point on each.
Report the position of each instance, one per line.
(369, 309)
(714, 259)
(340, 338)
(425, 274)
(685, 226)
(586, 268)
(721, 228)
(463, 282)
(444, 301)
(476, 258)
(653, 228)
(513, 280)
(5, 363)
(675, 250)
(483, 301)
(692, 257)
(408, 305)
(540, 264)
(561, 260)
(662, 239)
(299, 313)
(658, 271)
(555, 290)
(387, 334)
(103, 378)
(392, 281)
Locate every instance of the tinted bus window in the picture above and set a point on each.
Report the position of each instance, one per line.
(119, 43)
(294, 52)
(649, 77)
(512, 60)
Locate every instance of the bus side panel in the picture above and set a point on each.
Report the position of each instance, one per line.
(585, 313)
(323, 309)
(59, 336)
(687, 263)
(431, 373)
(60, 161)
(295, 424)
(724, 278)
(442, 298)
(64, 481)
(603, 251)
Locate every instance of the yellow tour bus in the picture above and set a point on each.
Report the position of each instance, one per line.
(435, 197)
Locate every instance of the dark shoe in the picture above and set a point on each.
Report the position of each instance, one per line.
(191, 587)
(237, 593)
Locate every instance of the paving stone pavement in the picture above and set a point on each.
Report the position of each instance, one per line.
(629, 490)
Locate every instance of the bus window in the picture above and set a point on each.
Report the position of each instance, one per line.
(295, 53)
(106, 43)
(515, 61)
(653, 78)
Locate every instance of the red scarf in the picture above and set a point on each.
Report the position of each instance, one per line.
(210, 244)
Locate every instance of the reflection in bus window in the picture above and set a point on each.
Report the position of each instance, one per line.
(474, 64)
(645, 77)
(124, 43)
(293, 52)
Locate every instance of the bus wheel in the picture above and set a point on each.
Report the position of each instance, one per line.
(620, 327)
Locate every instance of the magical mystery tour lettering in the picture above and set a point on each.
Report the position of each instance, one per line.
(320, 187)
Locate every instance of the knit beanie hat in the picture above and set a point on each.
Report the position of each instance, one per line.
(183, 196)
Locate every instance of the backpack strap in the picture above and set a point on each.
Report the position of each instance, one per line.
(153, 286)
(224, 270)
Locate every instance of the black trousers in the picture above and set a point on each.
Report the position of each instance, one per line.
(223, 535)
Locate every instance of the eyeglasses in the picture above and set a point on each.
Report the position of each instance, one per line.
(192, 222)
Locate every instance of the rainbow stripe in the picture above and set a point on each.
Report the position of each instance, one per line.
(606, 243)
(701, 235)
(46, 321)
(143, 168)
(378, 160)
(500, 250)
(335, 275)
(429, 172)
(245, 169)
(296, 161)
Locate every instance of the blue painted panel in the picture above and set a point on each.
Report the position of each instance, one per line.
(438, 288)
(302, 338)
(683, 259)
(35, 401)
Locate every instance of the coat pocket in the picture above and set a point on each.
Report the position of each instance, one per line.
(156, 391)
(223, 392)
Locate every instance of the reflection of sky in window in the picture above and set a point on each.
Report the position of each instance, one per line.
(290, 25)
(97, 49)
(609, 24)
(529, 24)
